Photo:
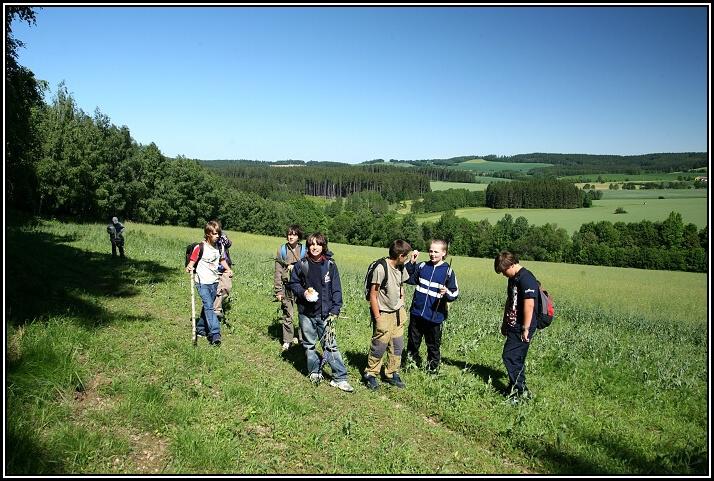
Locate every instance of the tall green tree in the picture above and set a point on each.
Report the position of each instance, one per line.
(23, 95)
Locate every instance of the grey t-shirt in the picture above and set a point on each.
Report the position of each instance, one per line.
(390, 298)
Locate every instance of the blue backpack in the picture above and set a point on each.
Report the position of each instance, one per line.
(284, 251)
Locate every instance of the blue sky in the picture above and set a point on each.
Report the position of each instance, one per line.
(350, 84)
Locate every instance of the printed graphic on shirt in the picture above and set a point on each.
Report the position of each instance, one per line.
(511, 314)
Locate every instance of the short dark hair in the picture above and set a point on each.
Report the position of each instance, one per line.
(503, 261)
(319, 239)
(399, 247)
(294, 229)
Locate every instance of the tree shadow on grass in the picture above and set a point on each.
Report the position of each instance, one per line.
(45, 278)
(24, 455)
(683, 460)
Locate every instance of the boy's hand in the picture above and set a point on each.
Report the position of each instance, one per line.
(415, 255)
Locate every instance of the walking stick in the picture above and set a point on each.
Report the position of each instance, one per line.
(193, 309)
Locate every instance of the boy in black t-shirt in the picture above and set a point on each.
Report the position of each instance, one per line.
(519, 318)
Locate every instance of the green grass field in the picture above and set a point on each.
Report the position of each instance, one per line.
(101, 376)
(480, 165)
(438, 185)
(638, 208)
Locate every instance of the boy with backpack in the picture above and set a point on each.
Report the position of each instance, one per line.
(315, 281)
(436, 286)
(286, 257)
(206, 258)
(385, 291)
(520, 319)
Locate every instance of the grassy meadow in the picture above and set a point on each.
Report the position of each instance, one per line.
(480, 165)
(638, 207)
(440, 185)
(101, 375)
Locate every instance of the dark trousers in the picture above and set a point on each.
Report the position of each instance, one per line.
(431, 332)
(514, 358)
(120, 246)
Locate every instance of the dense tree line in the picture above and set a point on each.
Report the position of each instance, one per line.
(319, 179)
(535, 194)
(576, 164)
(444, 174)
(668, 245)
(23, 94)
(450, 199)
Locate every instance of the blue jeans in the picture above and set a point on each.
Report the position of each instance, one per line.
(208, 316)
(313, 330)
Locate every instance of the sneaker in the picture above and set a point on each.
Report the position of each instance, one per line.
(395, 380)
(344, 385)
(370, 382)
(285, 346)
(216, 341)
(315, 377)
(200, 334)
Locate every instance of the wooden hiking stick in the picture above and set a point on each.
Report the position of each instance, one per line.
(194, 338)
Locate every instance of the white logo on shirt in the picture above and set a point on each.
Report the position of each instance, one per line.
(528, 290)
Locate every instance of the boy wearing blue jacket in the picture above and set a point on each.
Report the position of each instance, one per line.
(315, 281)
(436, 285)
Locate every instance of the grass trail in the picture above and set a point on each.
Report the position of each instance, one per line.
(100, 361)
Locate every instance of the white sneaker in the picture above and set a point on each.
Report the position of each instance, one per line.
(285, 346)
(344, 385)
(315, 377)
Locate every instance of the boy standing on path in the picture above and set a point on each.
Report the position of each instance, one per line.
(519, 319)
(435, 286)
(286, 257)
(315, 281)
(386, 301)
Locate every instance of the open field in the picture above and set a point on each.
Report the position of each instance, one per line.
(638, 207)
(102, 377)
(438, 185)
(480, 165)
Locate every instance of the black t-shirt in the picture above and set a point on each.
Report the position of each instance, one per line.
(521, 286)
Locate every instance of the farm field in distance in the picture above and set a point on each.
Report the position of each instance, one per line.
(693, 209)
(480, 165)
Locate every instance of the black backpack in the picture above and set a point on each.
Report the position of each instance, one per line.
(546, 311)
(189, 251)
(368, 277)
